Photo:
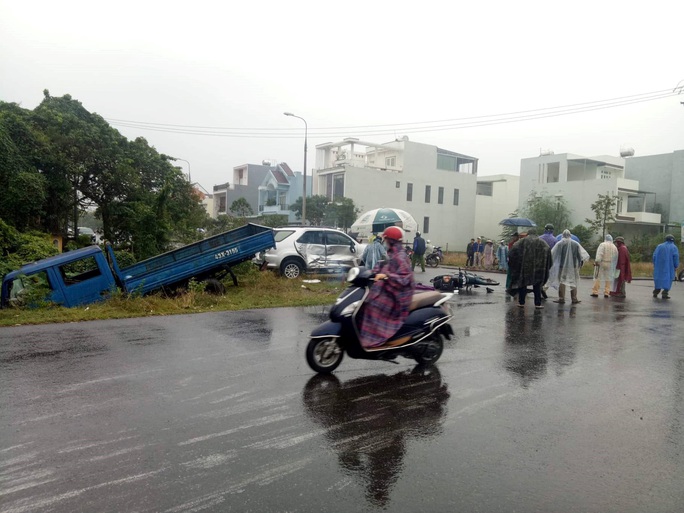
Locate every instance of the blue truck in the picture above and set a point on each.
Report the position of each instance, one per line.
(90, 274)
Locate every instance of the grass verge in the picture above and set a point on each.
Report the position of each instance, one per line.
(255, 290)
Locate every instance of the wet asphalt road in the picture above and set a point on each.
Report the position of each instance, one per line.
(568, 409)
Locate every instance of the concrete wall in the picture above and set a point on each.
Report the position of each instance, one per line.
(490, 210)
(664, 175)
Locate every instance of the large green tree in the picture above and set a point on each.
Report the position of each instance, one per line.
(316, 207)
(341, 213)
(59, 159)
(544, 209)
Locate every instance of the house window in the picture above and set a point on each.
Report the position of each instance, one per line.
(455, 196)
(447, 162)
(390, 161)
(426, 225)
(409, 192)
(338, 187)
(428, 189)
(606, 174)
(397, 184)
(485, 189)
(440, 195)
(222, 205)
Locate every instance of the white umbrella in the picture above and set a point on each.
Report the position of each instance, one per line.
(380, 218)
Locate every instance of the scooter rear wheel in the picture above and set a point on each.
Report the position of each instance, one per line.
(324, 355)
(429, 350)
(432, 261)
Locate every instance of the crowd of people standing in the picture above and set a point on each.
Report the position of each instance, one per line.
(537, 263)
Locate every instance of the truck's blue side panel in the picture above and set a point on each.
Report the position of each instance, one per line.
(196, 259)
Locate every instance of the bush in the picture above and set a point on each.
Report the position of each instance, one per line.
(17, 249)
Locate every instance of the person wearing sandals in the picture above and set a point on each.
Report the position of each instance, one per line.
(568, 256)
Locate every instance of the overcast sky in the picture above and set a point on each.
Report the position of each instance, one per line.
(345, 64)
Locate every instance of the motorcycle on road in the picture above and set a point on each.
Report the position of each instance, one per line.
(435, 258)
(420, 338)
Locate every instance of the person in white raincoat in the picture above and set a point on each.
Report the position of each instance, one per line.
(568, 256)
(606, 261)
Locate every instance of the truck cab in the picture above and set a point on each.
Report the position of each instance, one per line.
(74, 278)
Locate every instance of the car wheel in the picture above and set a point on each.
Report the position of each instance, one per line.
(291, 269)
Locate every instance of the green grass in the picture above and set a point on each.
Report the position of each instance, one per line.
(255, 290)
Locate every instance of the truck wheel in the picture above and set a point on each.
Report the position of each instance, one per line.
(214, 286)
(291, 269)
(324, 355)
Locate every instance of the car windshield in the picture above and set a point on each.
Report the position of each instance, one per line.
(281, 235)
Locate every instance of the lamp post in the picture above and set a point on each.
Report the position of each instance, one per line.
(306, 134)
(188, 163)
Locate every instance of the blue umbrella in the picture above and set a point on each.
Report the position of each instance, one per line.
(518, 221)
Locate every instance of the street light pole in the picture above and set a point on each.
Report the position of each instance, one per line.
(306, 136)
(188, 163)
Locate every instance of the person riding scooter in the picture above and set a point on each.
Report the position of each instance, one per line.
(390, 296)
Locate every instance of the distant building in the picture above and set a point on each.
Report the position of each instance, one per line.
(663, 175)
(436, 186)
(268, 188)
(579, 180)
(206, 199)
(496, 198)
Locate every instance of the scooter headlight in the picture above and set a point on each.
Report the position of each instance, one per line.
(349, 309)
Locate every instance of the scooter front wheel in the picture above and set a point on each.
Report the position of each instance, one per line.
(324, 355)
(429, 350)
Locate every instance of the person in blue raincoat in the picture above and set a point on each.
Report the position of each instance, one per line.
(665, 263)
(374, 253)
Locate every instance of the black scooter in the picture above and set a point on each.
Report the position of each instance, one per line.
(420, 338)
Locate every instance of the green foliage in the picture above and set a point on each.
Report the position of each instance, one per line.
(124, 258)
(341, 213)
(544, 208)
(59, 159)
(316, 208)
(223, 223)
(272, 221)
(17, 249)
(604, 212)
(583, 233)
(241, 208)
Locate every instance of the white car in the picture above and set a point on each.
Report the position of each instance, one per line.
(312, 249)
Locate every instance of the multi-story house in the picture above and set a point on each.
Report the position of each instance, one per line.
(579, 181)
(268, 188)
(436, 186)
(496, 198)
(663, 175)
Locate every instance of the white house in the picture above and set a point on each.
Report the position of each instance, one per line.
(662, 174)
(579, 180)
(436, 186)
(496, 199)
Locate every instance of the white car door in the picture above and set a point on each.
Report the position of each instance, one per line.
(340, 251)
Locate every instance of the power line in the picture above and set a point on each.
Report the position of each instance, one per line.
(432, 126)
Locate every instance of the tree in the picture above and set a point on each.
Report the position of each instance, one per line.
(543, 209)
(583, 233)
(241, 208)
(316, 207)
(604, 212)
(341, 213)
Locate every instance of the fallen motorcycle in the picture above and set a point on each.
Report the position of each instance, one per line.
(462, 280)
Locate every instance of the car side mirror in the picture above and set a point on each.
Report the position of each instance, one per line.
(352, 247)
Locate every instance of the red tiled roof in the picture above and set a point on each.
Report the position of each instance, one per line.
(279, 176)
(286, 169)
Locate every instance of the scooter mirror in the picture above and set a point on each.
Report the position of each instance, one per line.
(353, 274)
